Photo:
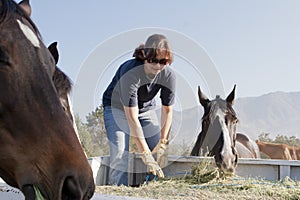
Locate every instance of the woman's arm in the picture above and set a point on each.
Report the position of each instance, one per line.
(166, 121)
(136, 130)
(161, 148)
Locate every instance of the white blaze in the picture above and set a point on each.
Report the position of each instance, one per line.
(30, 35)
(71, 112)
(226, 151)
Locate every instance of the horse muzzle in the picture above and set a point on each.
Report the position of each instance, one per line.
(69, 189)
(73, 189)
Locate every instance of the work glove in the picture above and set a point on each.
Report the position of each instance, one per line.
(152, 164)
(161, 150)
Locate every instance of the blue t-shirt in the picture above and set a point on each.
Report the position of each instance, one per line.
(132, 87)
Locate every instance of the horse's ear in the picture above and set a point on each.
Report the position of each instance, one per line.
(25, 5)
(231, 96)
(53, 50)
(202, 98)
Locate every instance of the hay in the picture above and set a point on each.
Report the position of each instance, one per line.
(206, 182)
(204, 172)
(38, 194)
(203, 175)
(228, 188)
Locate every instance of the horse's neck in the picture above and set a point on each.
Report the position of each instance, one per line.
(277, 151)
(267, 148)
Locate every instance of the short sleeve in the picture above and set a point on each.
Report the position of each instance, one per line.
(128, 87)
(167, 94)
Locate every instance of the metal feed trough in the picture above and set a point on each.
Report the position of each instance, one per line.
(179, 166)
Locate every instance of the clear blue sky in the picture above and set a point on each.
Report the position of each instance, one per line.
(254, 44)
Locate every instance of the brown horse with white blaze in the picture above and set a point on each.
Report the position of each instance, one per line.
(38, 144)
(218, 133)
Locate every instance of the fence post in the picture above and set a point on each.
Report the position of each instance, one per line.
(284, 171)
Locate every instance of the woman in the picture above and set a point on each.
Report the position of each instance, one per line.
(129, 108)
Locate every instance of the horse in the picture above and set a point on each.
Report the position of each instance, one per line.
(274, 150)
(243, 151)
(246, 147)
(39, 150)
(63, 86)
(294, 151)
(297, 153)
(218, 133)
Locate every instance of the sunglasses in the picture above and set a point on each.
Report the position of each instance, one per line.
(160, 61)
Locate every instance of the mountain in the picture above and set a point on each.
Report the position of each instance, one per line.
(186, 125)
(274, 113)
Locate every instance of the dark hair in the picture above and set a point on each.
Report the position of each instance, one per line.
(154, 45)
(7, 8)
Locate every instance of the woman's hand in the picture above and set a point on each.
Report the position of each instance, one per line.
(152, 164)
(161, 150)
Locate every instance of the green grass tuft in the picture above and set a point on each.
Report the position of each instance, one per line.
(38, 194)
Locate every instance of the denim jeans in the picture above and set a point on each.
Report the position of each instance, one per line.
(118, 133)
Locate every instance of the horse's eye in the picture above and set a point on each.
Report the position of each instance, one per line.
(205, 121)
(235, 119)
(4, 59)
(1, 109)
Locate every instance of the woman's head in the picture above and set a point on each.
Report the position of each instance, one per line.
(156, 48)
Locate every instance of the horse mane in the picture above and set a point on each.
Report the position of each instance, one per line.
(62, 82)
(8, 7)
(212, 111)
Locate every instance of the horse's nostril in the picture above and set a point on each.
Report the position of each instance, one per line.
(90, 192)
(70, 189)
(28, 191)
(230, 170)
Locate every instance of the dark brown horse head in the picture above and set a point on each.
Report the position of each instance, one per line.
(218, 133)
(38, 144)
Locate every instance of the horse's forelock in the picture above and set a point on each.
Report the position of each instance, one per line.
(3, 10)
(23, 14)
(212, 111)
(8, 7)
